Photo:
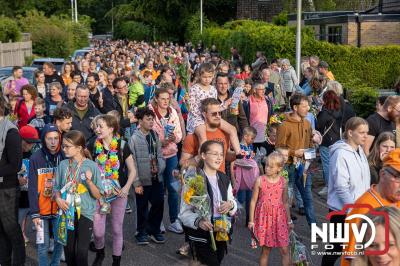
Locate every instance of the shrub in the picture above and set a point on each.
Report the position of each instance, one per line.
(9, 30)
(50, 41)
(133, 30)
(55, 36)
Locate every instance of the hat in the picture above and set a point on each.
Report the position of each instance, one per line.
(323, 64)
(29, 134)
(47, 129)
(393, 160)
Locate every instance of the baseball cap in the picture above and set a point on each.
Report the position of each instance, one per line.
(29, 134)
(393, 160)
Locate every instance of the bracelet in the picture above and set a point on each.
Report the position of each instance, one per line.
(291, 221)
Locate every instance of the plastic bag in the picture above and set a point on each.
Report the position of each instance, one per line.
(298, 251)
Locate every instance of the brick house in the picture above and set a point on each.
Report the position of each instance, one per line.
(258, 9)
(377, 26)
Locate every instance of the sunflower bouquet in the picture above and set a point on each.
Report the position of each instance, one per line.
(195, 194)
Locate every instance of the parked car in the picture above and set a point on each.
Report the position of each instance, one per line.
(57, 62)
(80, 52)
(6, 72)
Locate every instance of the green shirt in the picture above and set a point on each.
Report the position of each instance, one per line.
(88, 203)
(81, 113)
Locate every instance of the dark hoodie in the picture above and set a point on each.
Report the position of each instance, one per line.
(42, 168)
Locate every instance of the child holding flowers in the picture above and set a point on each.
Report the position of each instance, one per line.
(206, 199)
(269, 210)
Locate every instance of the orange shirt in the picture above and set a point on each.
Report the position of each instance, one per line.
(373, 198)
(191, 143)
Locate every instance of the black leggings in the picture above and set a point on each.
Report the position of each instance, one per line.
(206, 256)
(329, 260)
(76, 251)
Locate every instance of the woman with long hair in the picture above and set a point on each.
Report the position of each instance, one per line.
(115, 161)
(349, 175)
(66, 73)
(25, 107)
(40, 84)
(385, 143)
(103, 79)
(54, 99)
(219, 189)
(77, 187)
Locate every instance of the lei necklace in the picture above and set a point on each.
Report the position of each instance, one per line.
(108, 162)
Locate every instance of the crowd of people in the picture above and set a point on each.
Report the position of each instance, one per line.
(131, 120)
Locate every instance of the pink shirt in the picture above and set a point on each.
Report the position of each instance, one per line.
(258, 117)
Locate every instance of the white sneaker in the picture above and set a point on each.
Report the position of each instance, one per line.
(162, 228)
(51, 245)
(62, 256)
(175, 227)
(323, 191)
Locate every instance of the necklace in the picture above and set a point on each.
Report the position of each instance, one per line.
(108, 162)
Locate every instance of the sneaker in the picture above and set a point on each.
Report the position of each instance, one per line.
(128, 209)
(158, 238)
(162, 228)
(92, 247)
(51, 245)
(142, 239)
(175, 227)
(323, 192)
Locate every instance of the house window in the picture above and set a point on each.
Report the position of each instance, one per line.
(335, 34)
(322, 33)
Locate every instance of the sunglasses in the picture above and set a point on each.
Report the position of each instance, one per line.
(215, 114)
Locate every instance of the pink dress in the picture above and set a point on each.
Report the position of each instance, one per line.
(270, 221)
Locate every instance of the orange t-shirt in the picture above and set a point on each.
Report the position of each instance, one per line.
(373, 198)
(191, 143)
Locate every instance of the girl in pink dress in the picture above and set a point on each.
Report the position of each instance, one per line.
(272, 223)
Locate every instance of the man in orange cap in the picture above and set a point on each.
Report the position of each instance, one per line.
(385, 193)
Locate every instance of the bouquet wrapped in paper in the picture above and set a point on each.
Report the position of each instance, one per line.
(298, 252)
(195, 195)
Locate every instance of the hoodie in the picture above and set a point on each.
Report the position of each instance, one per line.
(42, 168)
(294, 134)
(349, 175)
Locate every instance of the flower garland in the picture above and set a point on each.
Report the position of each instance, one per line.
(108, 163)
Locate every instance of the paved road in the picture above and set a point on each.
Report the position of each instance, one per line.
(239, 253)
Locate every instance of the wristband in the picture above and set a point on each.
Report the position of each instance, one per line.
(291, 221)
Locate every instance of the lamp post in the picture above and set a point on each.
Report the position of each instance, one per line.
(72, 10)
(201, 16)
(298, 39)
(76, 11)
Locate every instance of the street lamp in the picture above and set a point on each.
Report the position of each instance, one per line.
(298, 39)
(76, 12)
(201, 17)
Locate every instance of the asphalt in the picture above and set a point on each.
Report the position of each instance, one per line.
(239, 252)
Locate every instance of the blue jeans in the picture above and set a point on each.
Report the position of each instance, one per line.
(292, 189)
(172, 185)
(42, 249)
(324, 152)
(244, 197)
(306, 194)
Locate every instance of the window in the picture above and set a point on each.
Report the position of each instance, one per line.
(322, 33)
(335, 34)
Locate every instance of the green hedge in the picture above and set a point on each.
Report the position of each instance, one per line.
(56, 36)
(9, 30)
(361, 70)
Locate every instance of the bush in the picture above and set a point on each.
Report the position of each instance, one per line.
(50, 41)
(133, 30)
(56, 36)
(9, 30)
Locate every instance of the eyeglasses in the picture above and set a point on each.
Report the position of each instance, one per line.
(215, 114)
(396, 109)
(215, 154)
(395, 177)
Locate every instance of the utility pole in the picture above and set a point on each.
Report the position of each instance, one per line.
(76, 11)
(112, 19)
(201, 16)
(298, 39)
(72, 10)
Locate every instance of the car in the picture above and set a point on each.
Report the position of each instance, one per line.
(57, 62)
(29, 73)
(80, 52)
